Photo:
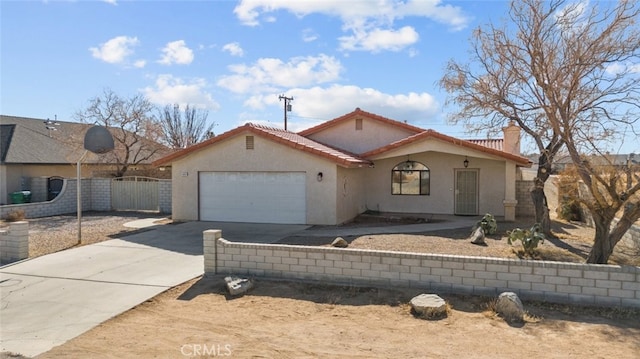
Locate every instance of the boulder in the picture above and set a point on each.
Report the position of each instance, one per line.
(429, 306)
(237, 286)
(340, 242)
(477, 237)
(509, 306)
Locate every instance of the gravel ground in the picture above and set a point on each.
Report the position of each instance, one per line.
(572, 245)
(52, 234)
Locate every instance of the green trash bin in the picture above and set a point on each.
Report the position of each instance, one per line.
(17, 197)
(26, 196)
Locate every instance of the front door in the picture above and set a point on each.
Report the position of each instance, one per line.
(466, 192)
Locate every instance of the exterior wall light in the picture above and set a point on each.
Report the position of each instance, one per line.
(319, 177)
(465, 162)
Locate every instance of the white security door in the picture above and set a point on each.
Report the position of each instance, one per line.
(253, 197)
(466, 192)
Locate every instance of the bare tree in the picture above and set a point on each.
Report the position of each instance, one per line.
(184, 128)
(130, 122)
(563, 71)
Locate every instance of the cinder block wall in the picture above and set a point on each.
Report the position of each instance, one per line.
(96, 196)
(602, 285)
(100, 194)
(64, 203)
(164, 187)
(14, 242)
(524, 208)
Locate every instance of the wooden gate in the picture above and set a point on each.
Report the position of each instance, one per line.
(135, 193)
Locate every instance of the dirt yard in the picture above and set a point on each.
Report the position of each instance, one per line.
(295, 320)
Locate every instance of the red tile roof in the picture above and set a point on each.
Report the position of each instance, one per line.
(277, 135)
(301, 142)
(355, 113)
(456, 141)
(495, 143)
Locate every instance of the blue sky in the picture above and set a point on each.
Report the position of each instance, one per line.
(234, 58)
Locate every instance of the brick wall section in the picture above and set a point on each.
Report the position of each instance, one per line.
(602, 285)
(100, 194)
(164, 196)
(14, 242)
(525, 203)
(96, 196)
(64, 203)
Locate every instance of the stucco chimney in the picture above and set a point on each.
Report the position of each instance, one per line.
(511, 138)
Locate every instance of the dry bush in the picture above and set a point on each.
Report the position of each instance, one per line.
(15, 216)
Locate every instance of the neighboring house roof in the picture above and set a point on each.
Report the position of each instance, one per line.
(286, 138)
(455, 141)
(356, 112)
(28, 141)
(6, 133)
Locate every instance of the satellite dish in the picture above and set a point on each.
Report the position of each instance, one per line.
(98, 140)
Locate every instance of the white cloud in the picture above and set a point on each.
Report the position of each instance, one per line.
(112, 2)
(317, 104)
(270, 74)
(619, 68)
(573, 17)
(176, 52)
(308, 35)
(234, 49)
(116, 50)
(378, 40)
(139, 64)
(173, 90)
(369, 27)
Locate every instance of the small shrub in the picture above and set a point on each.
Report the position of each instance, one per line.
(528, 237)
(14, 216)
(487, 223)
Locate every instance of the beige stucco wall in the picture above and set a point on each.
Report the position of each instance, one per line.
(231, 155)
(374, 134)
(351, 195)
(441, 200)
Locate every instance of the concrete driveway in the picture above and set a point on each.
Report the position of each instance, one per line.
(49, 300)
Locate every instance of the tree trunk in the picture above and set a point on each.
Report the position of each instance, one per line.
(540, 199)
(602, 243)
(606, 238)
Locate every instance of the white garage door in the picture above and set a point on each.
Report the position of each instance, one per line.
(254, 197)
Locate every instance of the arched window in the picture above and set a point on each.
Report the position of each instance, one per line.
(410, 178)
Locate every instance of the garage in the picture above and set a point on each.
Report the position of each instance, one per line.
(253, 197)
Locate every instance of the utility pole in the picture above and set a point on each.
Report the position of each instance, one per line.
(287, 107)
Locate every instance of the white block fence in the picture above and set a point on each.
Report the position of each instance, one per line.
(585, 284)
(14, 242)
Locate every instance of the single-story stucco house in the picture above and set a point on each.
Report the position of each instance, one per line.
(330, 173)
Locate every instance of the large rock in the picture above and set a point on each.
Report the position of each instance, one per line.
(237, 286)
(429, 306)
(340, 243)
(509, 306)
(477, 237)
